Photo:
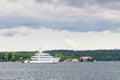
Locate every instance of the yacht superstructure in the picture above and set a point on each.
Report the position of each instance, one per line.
(41, 57)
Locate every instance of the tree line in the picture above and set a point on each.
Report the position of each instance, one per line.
(15, 56)
(99, 55)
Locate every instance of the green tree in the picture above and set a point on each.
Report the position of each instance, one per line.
(13, 57)
(6, 56)
(9, 56)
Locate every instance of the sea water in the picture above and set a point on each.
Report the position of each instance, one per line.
(62, 71)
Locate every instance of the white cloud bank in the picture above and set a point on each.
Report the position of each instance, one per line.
(15, 31)
(55, 39)
(77, 16)
(56, 10)
(65, 13)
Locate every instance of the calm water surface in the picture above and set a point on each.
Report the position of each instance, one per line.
(61, 71)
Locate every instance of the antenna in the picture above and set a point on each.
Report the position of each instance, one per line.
(40, 50)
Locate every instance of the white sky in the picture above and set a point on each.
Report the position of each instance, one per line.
(59, 24)
(25, 38)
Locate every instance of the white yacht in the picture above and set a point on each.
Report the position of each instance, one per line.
(41, 57)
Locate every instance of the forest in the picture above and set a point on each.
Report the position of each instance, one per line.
(16, 56)
(98, 55)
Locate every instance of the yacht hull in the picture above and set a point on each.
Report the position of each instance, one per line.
(49, 61)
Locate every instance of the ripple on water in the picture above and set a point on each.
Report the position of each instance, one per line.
(60, 71)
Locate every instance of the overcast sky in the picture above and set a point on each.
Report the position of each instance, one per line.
(59, 24)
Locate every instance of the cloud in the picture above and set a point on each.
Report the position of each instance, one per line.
(27, 30)
(23, 30)
(78, 15)
(29, 38)
(117, 30)
(70, 43)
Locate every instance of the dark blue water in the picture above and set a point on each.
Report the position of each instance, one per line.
(61, 71)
